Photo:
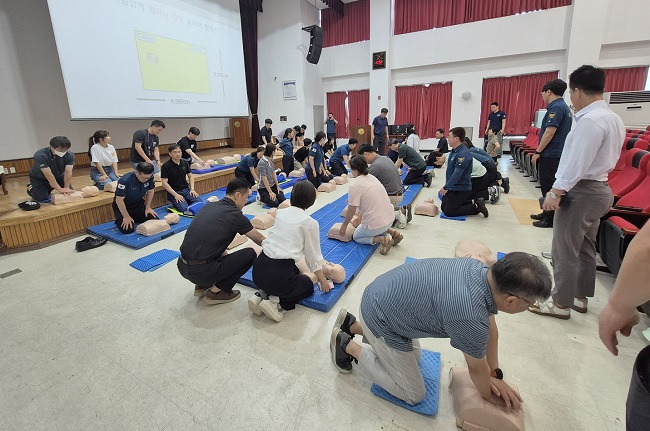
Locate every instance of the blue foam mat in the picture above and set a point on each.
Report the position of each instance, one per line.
(410, 193)
(430, 369)
(457, 218)
(153, 261)
(134, 240)
(351, 255)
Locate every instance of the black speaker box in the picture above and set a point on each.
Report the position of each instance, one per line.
(315, 44)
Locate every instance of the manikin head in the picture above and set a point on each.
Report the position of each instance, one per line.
(59, 145)
(143, 171)
(239, 191)
(175, 152)
(333, 271)
(518, 280)
(494, 107)
(367, 152)
(193, 133)
(440, 133)
(156, 127)
(456, 137)
(586, 85)
(384, 112)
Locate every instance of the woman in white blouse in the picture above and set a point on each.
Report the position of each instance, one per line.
(294, 235)
(103, 159)
(412, 138)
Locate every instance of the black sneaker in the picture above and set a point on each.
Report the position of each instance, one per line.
(427, 182)
(540, 216)
(338, 342)
(480, 205)
(409, 215)
(344, 320)
(505, 183)
(90, 243)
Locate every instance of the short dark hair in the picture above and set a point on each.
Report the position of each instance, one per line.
(494, 104)
(359, 164)
(303, 127)
(330, 113)
(320, 136)
(303, 194)
(194, 131)
(365, 148)
(144, 168)
(268, 121)
(589, 79)
(384, 110)
(353, 141)
(296, 128)
(458, 132)
(269, 149)
(173, 147)
(393, 142)
(237, 185)
(60, 142)
(441, 131)
(299, 135)
(307, 142)
(523, 275)
(557, 87)
(157, 123)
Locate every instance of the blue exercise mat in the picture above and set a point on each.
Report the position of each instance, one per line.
(410, 193)
(153, 261)
(457, 218)
(351, 255)
(500, 255)
(134, 240)
(214, 168)
(430, 368)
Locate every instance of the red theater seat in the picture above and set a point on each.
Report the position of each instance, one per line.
(633, 173)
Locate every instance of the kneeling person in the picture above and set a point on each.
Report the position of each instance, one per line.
(175, 173)
(133, 197)
(411, 158)
(438, 298)
(204, 258)
(52, 169)
(341, 155)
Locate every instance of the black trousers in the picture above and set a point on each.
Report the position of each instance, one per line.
(223, 272)
(281, 277)
(318, 179)
(458, 203)
(266, 197)
(41, 189)
(337, 169)
(287, 164)
(330, 136)
(245, 175)
(136, 211)
(638, 398)
(547, 167)
(415, 176)
(379, 144)
(480, 187)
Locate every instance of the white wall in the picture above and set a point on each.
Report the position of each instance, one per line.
(32, 93)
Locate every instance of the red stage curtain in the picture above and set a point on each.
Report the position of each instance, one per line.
(518, 96)
(336, 105)
(358, 107)
(427, 107)
(353, 26)
(626, 79)
(418, 15)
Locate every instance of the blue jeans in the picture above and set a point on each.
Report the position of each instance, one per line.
(189, 200)
(95, 175)
(156, 169)
(362, 235)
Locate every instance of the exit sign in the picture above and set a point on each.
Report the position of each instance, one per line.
(379, 60)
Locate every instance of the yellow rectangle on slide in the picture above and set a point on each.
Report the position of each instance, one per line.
(172, 65)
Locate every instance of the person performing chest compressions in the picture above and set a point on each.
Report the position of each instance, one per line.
(133, 197)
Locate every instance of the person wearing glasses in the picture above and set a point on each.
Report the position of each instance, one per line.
(438, 298)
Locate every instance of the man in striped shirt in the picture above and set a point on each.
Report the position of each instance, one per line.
(438, 298)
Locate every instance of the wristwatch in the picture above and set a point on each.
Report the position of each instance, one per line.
(553, 195)
(538, 152)
(497, 373)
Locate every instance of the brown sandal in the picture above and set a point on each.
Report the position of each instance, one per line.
(385, 248)
(397, 239)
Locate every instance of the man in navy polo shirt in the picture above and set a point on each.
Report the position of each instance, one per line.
(133, 197)
(315, 167)
(52, 169)
(497, 120)
(457, 190)
(144, 147)
(380, 130)
(330, 124)
(341, 155)
(556, 125)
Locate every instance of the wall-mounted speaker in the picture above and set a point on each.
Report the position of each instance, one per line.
(315, 44)
(466, 95)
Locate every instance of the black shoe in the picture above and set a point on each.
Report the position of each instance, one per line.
(338, 342)
(409, 215)
(89, 243)
(343, 322)
(427, 182)
(539, 216)
(480, 205)
(543, 223)
(505, 183)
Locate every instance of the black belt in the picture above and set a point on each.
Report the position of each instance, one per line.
(197, 262)
(396, 194)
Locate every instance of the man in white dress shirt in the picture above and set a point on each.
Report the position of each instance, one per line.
(580, 194)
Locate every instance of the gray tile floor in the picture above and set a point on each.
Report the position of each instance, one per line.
(88, 343)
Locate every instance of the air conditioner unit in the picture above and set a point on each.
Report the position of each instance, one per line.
(632, 106)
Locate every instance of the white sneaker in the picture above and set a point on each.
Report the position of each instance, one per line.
(257, 199)
(580, 305)
(271, 310)
(254, 304)
(400, 218)
(550, 309)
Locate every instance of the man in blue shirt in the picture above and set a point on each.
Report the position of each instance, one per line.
(330, 124)
(246, 167)
(315, 167)
(556, 125)
(457, 190)
(380, 131)
(341, 155)
(133, 197)
(497, 120)
(286, 145)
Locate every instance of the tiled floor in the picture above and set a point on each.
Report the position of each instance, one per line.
(87, 342)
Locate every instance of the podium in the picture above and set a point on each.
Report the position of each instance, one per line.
(362, 133)
(240, 130)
